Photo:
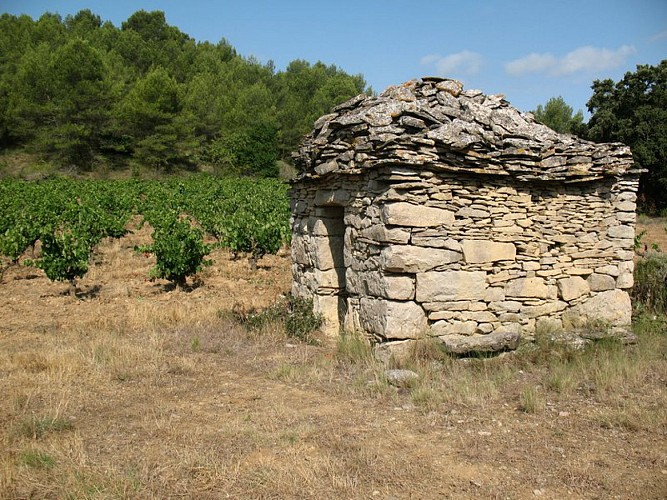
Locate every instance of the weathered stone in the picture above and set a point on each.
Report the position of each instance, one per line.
(572, 288)
(383, 234)
(392, 320)
(601, 282)
(453, 327)
(401, 378)
(434, 286)
(610, 270)
(543, 310)
(380, 285)
(324, 254)
(612, 306)
(472, 212)
(625, 280)
(527, 287)
(484, 251)
(407, 214)
(492, 342)
(334, 197)
(622, 231)
(412, 259)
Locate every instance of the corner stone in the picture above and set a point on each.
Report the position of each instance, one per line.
(613, 306)
(391, 319)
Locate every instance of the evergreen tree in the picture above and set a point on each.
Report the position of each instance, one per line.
(634, 111)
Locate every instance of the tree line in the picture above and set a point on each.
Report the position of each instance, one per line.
(83, 92)
(632, 111)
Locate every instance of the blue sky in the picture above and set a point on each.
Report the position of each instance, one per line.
(528, 50)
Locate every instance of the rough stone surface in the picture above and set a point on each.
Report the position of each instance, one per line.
(572, 288)
(412, 259)
(485, 251)
(612, 306)
(496, 341)
(527, 287)
(450, 285)
(392, 319)
(401, 378)
(435, 210)
(407, 214)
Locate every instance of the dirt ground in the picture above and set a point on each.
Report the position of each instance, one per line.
(137, 390)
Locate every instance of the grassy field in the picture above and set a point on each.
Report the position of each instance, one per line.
(135, 390)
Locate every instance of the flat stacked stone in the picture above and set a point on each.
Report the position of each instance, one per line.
(435, 123)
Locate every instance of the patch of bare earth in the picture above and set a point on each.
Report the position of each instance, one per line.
(137, 390)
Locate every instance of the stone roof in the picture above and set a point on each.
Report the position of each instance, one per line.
(434, 123)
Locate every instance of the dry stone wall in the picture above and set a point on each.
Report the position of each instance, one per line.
(409, 220)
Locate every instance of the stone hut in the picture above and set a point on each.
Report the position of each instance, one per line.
(434, 210)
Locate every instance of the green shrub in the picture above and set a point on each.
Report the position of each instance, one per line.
(295, 314)
(179, 249)
(650, 288)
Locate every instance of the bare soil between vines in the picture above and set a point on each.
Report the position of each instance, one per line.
(138, 390)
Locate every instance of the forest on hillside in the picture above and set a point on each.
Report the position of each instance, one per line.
(83, 93)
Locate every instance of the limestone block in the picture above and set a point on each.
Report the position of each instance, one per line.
(492, 342)
(625, 280)
(391, 319)
(480, 316)
(407, 214)
(332, 197)
(438, 286)
(544, 309)
(300, 254)
(505, 305)
(610, 270)
(494, 294)
(412, 259)
(472, 212)
(630, 217)
(601, 282)
(379, 285)
(484, 251)
(453, 328)
(434, 239)
(331, 278)
(612, 306)
(329, 307)
(627, 266)
(625, 206)
(572, 288)
(323, 226)
(382, 234)
(398, 350)
(527, 287)
(326, 253)
(623, 231)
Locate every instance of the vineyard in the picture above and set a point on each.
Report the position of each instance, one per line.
(70, 217)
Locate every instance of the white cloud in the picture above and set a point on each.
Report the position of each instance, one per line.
(659, 36)
(533, 63)
(582, 59)
(465, 62)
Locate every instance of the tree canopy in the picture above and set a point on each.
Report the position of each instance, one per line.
(83, 92)
(634, 111)
(556, 114)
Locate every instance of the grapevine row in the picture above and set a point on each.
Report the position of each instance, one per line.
(70, 217)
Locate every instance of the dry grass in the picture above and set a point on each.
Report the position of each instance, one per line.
(139, 391)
